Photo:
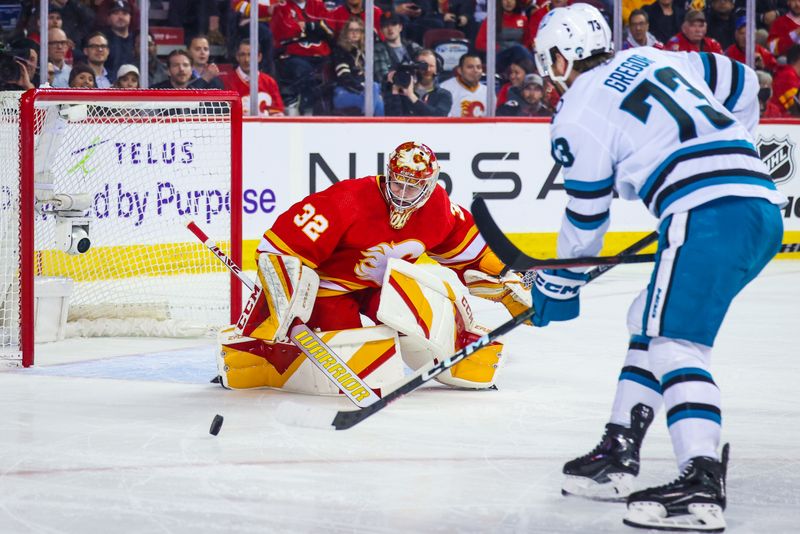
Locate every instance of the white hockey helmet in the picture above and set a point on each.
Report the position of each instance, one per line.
(578, 32)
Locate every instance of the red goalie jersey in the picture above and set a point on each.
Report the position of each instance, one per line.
(344, 234)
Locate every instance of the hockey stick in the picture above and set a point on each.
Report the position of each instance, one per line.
(304, 338)
(516, 260)
(347, 419)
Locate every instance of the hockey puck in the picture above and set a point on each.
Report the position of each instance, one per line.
(216, 425)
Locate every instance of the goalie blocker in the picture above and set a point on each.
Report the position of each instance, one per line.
(424, 320)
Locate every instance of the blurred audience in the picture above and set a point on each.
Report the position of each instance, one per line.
(57, 46)
(82, 77)
(767, 108)
(348, 64)
(200, 52)
(127, 77)
(763, 59)
(156, 70)
(460, 15)
(301, 31)
(514, 75)
(418, 16)
(722, 21)
(179, 66)
(241, 23)
(665, 18)
(103, 10)
(13, 74)
(469, 93)
(297, 39)
(531, 101)
(354, 8)
(197, 17)
(529, 36)
(785, 31)
(270, 102)
(121, 40)
(95, 50)
(393, 50)
(692, 37)
(422, 96)
(639, 31)
(77, 18)
(787, 83)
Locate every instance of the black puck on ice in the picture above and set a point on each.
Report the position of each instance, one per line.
(216, 424)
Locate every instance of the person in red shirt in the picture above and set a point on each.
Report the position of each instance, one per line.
(535, 18)
(767, 107)
(785, 31)
(511, 30)
(355, 8)
(508, 37)
(300, 31)
(787, 83)
(515, 75)
(692, 37)
(763, 60)
(270, 102)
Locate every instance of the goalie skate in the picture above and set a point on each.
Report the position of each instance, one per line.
(693, 502)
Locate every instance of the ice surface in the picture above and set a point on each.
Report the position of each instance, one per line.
(113, 436)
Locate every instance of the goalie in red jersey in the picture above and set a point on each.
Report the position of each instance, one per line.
(349, 251)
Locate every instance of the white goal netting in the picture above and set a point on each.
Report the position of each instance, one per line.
(144, 167)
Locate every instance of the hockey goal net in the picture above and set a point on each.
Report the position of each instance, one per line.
(126, 168)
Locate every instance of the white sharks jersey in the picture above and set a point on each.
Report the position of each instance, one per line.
(670, 128)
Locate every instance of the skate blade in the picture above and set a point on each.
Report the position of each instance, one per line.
(617, 490)
(701, 517)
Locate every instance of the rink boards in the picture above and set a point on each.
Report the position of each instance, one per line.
(506, 161)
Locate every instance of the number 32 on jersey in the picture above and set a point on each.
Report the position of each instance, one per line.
(310, 222)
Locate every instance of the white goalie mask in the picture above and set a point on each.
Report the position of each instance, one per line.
(577, 32)
(411, 174)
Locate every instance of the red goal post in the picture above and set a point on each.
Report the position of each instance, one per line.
(144, 160)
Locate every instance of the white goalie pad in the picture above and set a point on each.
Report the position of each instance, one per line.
(436, 321)
(371, 352)
(285, 290)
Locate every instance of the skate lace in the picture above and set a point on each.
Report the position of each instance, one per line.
(598, 448)
(678, 479)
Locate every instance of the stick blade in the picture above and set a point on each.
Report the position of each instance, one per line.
(349, 418)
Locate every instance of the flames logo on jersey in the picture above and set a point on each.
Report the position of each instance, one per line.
(373, 266)
(472, 108)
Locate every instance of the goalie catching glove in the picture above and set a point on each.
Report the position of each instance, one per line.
(507, 290)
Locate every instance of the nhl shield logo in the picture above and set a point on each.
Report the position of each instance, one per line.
(778, 156)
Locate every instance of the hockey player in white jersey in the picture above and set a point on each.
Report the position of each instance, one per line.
(674, 130)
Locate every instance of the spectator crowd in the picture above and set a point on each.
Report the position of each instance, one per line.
(429, 55)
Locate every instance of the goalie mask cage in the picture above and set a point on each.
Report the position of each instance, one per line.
(145, 161)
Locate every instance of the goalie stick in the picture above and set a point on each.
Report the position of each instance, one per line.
(303, 337)
(349, 418)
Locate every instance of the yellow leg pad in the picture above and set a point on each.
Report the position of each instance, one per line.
(480, 366)
(244, 370)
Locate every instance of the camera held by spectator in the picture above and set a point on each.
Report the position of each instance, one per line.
(408, 72)
(13, 72)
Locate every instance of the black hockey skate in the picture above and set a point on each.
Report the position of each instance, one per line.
(608, 471)
(693, 502)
